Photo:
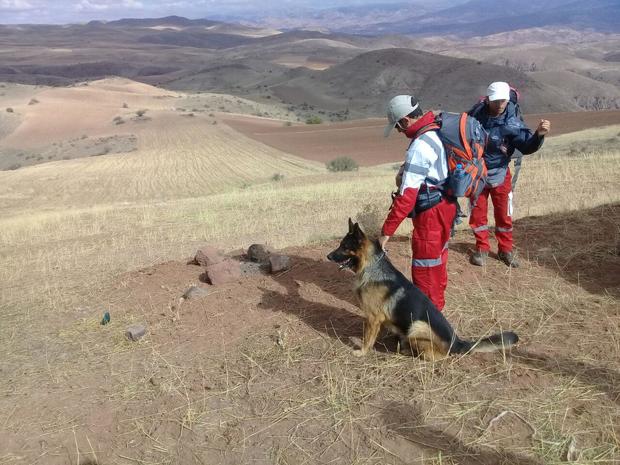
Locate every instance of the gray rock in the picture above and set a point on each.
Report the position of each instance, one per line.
(135, 332)
(253, 268)
(279, 263)
(195, 292)
(259, 253)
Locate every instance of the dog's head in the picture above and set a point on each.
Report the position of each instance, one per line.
(352, 248)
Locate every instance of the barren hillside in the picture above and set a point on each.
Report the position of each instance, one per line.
(316, 72)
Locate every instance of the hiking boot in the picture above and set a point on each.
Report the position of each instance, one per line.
(479, 258)
(509, 259)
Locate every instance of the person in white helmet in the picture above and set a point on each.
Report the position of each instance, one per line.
(499, 116)
(424, 171)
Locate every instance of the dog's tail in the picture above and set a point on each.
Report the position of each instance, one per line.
(492, 343)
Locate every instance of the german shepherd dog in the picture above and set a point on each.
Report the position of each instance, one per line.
(389, 299)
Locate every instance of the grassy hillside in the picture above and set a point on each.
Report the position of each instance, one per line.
(66, 216)
(261, 368)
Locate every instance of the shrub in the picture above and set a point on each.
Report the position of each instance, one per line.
(313, 120)
(342, 164)
(125, 105)
(33, 101)
(118, 120)
(288, 123)
(9, 110)
(140, 113)
(277, 177)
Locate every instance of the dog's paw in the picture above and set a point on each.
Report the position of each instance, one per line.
(359, 352)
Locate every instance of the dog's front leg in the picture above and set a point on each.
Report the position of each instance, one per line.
(371, 330)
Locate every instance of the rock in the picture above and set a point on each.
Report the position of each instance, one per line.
(259, 253)
(208, 256)
(223, 272)
(253, 268)
(195, 292)
(279, 263)
(135, 332)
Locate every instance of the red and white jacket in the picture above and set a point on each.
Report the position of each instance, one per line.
(425, 163)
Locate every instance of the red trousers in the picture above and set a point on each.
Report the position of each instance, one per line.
(429, 243)
(502, 207)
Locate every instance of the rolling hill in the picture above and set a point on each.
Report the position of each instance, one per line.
(335, 75)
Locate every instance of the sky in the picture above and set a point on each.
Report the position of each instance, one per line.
(78, 11)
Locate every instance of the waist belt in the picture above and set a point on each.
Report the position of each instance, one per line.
(427, 199)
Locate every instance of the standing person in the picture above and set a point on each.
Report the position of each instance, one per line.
(507, 132)
(424, 170)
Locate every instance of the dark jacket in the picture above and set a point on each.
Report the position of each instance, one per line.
(507, 132)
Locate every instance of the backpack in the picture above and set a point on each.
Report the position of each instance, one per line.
(464, 140)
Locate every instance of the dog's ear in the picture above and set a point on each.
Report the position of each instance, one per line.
(351, 225)
(357, 231)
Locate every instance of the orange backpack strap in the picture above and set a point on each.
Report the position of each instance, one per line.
(463, 131)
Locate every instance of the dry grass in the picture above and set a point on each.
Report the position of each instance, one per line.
(304, 399)
(50, 240)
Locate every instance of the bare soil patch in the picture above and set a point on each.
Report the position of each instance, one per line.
(363, 140)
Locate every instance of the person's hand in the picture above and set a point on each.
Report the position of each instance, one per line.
(382, 241)
(543, 127)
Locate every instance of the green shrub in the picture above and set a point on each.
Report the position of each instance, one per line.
(342, 164)
(314, 120)
(277, 177)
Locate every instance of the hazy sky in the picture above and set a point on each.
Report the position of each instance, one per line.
(65, 11)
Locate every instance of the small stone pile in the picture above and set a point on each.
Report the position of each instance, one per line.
(220, 269)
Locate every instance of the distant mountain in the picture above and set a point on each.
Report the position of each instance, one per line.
(366, 82)
(333, 74)
(350, 18)
(484, 17)
(466, 18)
(173, 21)
(191, 38)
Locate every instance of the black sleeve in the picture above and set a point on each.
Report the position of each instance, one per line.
(527, 142)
